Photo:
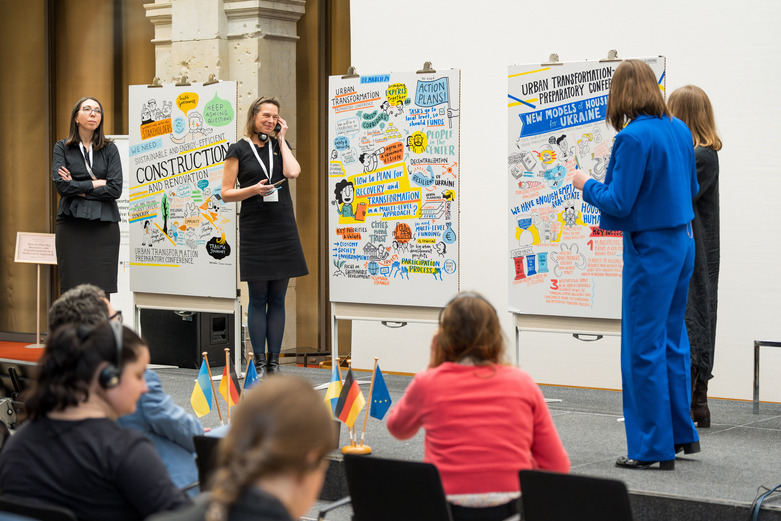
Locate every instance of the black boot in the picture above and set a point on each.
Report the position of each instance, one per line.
(700, 411)
(260, 365)
(273, 364)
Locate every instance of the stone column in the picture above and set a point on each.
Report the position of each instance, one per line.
(252, 42)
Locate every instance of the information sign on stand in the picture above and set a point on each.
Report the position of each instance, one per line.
(36, 248)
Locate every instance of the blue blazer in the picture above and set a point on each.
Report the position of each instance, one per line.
(651, 177)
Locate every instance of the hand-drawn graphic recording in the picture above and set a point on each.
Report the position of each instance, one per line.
(393, 188)
(182, 236)
(560, 261)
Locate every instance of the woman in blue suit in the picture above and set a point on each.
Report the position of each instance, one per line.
(647, 194)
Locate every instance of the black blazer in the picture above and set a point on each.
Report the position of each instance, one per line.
(97, 203)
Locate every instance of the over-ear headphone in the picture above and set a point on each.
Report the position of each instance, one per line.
(109, 375)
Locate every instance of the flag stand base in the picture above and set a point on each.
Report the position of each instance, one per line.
(358, 449)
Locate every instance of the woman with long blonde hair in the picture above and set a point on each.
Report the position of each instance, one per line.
(691, 105)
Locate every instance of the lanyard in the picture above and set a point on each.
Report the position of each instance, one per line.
(87, 164)
(270, 158)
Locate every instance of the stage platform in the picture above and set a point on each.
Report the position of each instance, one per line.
(741, 452)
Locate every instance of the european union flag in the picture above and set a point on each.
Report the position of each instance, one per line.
(380, 398)
(251, 376)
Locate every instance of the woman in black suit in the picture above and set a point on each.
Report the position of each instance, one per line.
(87, 173)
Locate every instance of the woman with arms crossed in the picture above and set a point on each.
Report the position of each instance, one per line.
(647, 194)
(691, 105)
(484, 420)
(87, 173)
(269, 248)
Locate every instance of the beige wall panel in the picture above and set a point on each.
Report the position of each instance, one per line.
(24, 156)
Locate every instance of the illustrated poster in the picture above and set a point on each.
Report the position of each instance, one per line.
(560, 261)
(393, 188)
(182, 235)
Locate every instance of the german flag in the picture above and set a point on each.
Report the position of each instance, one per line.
(229, 384)
(351, 401)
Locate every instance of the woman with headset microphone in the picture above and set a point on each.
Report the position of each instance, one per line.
(270, 250)
(70, 453)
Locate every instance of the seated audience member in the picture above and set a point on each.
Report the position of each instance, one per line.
(170, 427)
(271, 464)
(484, 420)
(71, 453)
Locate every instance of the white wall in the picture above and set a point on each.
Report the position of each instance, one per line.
(730, 49)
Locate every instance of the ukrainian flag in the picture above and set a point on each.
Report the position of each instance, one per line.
(201, 399)
(334, 389)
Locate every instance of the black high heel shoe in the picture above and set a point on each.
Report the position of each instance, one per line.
(629, 463)
(688, 448)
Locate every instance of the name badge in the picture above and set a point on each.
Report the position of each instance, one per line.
(273, 197)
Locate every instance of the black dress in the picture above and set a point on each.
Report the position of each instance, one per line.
(269, 246)
(87, 233)
(704, 284)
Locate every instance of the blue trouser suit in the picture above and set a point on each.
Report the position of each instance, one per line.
(655, 366)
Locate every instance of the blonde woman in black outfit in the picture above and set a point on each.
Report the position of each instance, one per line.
(691, 105)
(87, 173)
(270, 250)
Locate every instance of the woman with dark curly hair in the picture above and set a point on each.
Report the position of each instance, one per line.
(484, 420)
(271, 464)
(71, 453)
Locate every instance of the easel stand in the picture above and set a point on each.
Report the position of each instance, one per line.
(38, 343)
(584, 329)
(389, 316)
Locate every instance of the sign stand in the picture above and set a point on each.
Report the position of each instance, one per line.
(36, 248)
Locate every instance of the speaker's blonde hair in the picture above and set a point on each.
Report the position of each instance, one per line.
(691, 105)
(249, 126)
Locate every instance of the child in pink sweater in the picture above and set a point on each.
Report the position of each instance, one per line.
(484, 420)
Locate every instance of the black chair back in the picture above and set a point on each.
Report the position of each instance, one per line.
(205, 458)
(550, 496)
(35, 511)
(389, 490)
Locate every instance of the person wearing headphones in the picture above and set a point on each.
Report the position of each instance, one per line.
(170, 427)
(71, 453)
(485, 420)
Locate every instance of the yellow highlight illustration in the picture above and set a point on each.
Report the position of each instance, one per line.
(417, 142)
(396, 93)
(187, 101)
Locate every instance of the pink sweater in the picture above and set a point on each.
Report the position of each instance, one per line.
(483, 425)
